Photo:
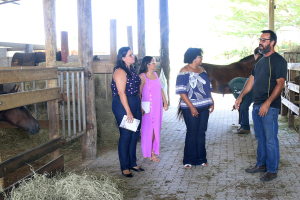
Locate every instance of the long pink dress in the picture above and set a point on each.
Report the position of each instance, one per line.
(151, 121)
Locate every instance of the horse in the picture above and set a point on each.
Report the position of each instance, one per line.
(222, 74)
(20, 117)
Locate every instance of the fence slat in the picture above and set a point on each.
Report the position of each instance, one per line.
(25, 75)
(293, 87)
(290, 105)
(12, 164)
(14, 100)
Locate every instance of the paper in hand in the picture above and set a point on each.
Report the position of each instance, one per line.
(130, 126)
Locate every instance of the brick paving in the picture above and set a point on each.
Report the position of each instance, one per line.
(228, 155)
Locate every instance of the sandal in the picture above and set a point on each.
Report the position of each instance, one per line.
(154, 158)
(188, 166)
(204, 164)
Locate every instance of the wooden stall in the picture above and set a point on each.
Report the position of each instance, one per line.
(290, 94)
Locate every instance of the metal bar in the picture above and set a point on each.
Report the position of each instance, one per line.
(70, 68)
(79, 101)
(12, 164)
(62, 106)
(35, 105)
(79, 134)
(83, 102)
(73, 102)
(68, 103)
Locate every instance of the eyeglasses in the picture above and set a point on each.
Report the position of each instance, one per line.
(263, 40)
(200, 57)
(131, 55)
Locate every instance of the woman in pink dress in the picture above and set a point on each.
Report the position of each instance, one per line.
(151, 92)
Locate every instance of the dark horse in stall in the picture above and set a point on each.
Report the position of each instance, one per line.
(222, 74)
(20, 117)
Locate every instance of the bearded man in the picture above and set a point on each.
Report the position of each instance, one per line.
(266, 81)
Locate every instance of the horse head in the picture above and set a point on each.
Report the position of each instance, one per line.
(20, 117)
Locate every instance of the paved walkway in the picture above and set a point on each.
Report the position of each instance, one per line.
(228, 155)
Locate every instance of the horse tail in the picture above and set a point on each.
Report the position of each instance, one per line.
(179, 111)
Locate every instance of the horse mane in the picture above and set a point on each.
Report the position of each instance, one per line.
(246, 58)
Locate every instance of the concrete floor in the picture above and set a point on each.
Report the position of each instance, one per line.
(228, 155)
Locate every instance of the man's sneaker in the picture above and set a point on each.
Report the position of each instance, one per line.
(268, 177)
(243, 131)
(256, 169)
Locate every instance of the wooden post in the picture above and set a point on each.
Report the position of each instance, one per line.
(113, 50)
(164, 40)
(129, 37)
(85, 59)
(50, 35)
(292, 95)
(113, 40)
(64, 46)
(141, 29)
(1, 179)
(271, 15)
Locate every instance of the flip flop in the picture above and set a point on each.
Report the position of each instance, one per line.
(154, 158)
(204, 164)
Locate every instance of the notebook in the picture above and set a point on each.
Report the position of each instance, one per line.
(146, 106)
(130, 126)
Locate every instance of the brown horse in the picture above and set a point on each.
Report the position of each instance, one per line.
(222, 74)
(20, 117)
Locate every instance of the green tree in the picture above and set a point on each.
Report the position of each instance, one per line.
(249, 17)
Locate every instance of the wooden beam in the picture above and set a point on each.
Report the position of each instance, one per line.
(113, 40)
(164, 40)
(64, 46)
(14, 100)
(24, 75)
(101, 67)
(293, 87)
(129, 37)
(42, 123)
(141, 29)
(85, 59)
(271, 15)
(12, 164)
(290, 105)
(50, 35)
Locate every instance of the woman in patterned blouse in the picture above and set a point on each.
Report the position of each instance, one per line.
(196, 103)
(125, 86)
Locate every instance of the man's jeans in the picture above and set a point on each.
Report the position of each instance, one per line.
(244, 112)
(266, 130)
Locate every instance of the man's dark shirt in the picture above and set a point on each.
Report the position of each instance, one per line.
(264, 84)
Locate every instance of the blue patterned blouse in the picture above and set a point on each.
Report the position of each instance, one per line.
(196, 86)
(132, 85)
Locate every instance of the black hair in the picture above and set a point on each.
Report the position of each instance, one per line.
(146, 60)
(273, 36)
(120, 62)
(191, 54)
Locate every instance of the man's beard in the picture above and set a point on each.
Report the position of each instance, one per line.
(264, 50)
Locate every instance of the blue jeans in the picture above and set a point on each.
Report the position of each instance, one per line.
(244, 112)
(128, 139)
(266, 131)
(194, 149)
